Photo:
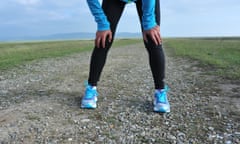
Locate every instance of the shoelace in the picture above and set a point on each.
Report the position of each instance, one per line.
(161, 95)
(89, 92)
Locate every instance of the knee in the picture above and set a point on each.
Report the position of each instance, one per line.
(153, 47)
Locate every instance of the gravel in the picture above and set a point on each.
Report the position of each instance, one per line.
(39, 102)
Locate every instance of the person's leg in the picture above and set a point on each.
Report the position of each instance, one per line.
(113, 10)
(156, 53)
(157, 64)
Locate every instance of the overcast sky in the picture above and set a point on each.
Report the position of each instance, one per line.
(178, 17)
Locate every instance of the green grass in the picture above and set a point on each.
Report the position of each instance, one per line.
(221, 54)
(13, 54)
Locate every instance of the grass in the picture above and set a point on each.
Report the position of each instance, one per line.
(14, 54)
(220, 54)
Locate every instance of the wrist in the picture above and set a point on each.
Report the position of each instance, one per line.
(103, 27)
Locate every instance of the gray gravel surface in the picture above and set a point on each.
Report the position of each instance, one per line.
(39, 103)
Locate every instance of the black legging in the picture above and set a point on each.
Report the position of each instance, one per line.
(113, 10)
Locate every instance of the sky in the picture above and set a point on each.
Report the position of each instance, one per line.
(178, 18)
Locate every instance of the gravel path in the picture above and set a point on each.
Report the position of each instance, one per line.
(39, 103)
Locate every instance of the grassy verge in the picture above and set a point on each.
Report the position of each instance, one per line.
(13, 54)
(220, 54)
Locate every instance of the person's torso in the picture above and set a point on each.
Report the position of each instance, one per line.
(128, 1)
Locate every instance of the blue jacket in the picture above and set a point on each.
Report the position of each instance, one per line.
(148, 18)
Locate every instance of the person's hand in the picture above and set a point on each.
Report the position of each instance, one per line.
(154, 34)
(101, 37)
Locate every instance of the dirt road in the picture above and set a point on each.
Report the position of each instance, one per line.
(39, 103)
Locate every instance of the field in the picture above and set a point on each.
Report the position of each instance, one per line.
(220, 55)
(13, 54)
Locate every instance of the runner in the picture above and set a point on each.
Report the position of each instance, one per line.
(107, 17)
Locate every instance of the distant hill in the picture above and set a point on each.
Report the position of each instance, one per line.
(66, 36)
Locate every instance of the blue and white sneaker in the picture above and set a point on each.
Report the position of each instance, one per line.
(89, 100)
(160, 102)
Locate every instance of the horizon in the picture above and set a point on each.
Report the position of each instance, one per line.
(90, 36)
(179, 18)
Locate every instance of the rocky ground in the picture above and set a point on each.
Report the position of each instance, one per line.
(39, 103)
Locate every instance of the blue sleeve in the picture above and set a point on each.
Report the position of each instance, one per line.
(148, 19)
(97, 12)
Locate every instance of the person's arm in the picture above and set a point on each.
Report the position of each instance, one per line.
(97, 12)
(150, 27)
(148, 18)
(103, 26)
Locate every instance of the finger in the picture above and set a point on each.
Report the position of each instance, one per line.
(110, 37)
(98, 41)
(103, 41)
(155, 39)
(145, 37)
(158, 39)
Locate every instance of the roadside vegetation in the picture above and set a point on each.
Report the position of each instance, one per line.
(220, 55)
(15, 53)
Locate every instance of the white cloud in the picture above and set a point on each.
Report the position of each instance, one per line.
(178, 17)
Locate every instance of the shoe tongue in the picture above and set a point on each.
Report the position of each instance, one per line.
(160, 95)
(92, 87)
(159, 90)
(161, 98)
(89, 94)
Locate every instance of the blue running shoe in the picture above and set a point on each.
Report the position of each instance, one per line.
(89, 100)
(160, 102)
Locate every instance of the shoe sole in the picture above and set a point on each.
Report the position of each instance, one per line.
(161, 111)
(165, 109)
(88, 106)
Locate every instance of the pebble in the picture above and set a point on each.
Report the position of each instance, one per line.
(35, 79)
(171, 137)
(181, 137)
(211, 128)
(1, 78)
(143, 133)
(237, 133)
(125, 104)
(228, 142)
(3, 92)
